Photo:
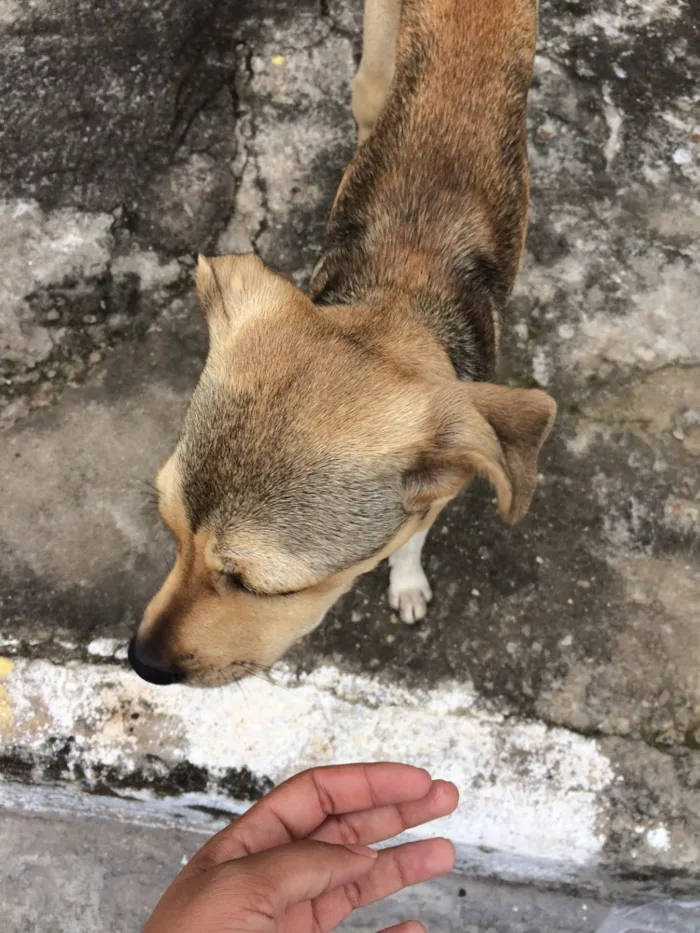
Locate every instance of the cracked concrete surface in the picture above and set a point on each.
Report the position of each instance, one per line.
(192, 127)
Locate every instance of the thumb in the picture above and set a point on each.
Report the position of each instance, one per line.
(290, 874)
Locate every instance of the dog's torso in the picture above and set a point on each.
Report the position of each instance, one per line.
(434, 204)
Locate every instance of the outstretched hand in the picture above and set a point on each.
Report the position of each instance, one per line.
(297, 861)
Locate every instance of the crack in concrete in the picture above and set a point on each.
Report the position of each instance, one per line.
(249, 129)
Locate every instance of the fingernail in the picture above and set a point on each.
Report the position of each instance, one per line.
(362, 850)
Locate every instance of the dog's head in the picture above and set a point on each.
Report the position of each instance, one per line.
(309, 452)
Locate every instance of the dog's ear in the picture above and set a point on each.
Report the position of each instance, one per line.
(484, 429)
(230, 287)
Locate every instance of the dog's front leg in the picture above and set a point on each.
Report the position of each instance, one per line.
(376, 70)
(409, 590)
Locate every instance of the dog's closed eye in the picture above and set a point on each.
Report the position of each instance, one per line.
(236, 581)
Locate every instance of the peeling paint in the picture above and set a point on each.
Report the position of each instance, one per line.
(6, 717)
(530, 793)
(658, 838)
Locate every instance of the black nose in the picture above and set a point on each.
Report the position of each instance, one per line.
(150, 667)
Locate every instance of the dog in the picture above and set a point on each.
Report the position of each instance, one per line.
(328, 430)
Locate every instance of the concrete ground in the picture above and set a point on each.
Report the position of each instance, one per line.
(85, 875)
(69, 873)
(556, 677)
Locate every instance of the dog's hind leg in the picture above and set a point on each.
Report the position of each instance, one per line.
(376, 70)
(409, 590)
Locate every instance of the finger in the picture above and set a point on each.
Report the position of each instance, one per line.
(272, 881)
(384, 822)
(299, 806)
(410, 926)
(395, 869)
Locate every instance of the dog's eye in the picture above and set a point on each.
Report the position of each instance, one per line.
(236, 582)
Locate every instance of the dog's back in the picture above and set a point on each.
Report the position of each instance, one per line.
(435, 200)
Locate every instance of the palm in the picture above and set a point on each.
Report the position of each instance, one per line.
(299, 919)
(350, 804)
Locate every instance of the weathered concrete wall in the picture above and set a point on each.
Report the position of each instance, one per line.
(132, 138)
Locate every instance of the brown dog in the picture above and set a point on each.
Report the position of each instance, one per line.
(327, 432)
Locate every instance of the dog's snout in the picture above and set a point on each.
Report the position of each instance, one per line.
(150, 666)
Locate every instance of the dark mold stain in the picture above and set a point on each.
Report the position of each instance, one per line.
(60, 762)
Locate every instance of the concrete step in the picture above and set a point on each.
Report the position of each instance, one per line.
(536, 804)
(81, 875)
(72, 865)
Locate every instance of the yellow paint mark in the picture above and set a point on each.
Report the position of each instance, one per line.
(277, 60)
(6, 666)
(6, 717)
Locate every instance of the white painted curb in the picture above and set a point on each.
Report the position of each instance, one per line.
(532, 801)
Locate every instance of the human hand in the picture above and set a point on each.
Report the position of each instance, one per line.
(296, 862)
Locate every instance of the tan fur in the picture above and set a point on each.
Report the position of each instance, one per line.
(376, 70)
(217, 634)
(327, 430)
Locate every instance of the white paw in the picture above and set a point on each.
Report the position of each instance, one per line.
(409, 595)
